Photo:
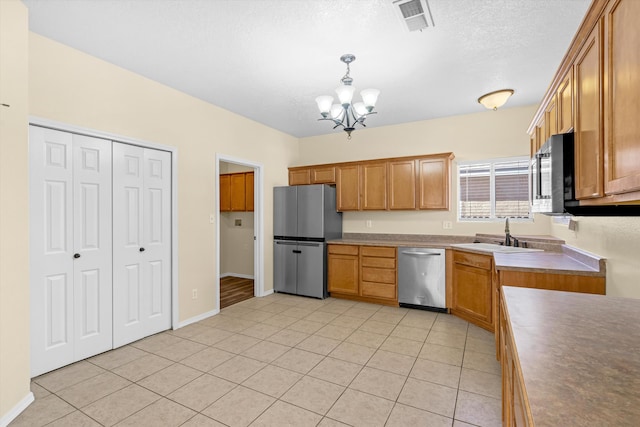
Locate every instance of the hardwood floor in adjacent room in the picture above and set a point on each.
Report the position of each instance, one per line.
(234, 289)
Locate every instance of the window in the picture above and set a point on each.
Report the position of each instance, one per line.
(494, 189)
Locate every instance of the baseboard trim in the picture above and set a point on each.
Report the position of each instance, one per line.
(16, 410)
(240, 275)
(197, 318)
(266, 293)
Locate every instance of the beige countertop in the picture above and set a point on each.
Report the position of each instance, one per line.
(556, 259)
(551, 262)
(579, 356)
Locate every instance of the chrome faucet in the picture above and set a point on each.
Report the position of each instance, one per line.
(509, 240)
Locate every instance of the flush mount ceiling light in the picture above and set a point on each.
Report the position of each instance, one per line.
(493, 100)
(346, 114)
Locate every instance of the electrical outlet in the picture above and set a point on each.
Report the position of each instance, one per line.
(194, 294)
(369, 224)
(212, 219)
(447, 225)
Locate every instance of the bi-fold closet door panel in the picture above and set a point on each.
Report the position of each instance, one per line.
(141, 242)
(70, 247)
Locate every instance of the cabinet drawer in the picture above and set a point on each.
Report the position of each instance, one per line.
(378, 262)
(343, 249)
(378, 290)
(324, 175)
(379, 251)
(474, 260)
(379, 275)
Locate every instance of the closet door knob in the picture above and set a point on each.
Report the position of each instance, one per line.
(76, 255)
(141, 249)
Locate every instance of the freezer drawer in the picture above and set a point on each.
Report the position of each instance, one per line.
(285, 266)
(299, 268)
(421, 277)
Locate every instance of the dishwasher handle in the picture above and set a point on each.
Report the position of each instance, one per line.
(420, 253)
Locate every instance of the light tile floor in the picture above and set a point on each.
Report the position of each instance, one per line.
(285, 360)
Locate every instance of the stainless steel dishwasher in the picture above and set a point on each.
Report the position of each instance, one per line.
(421, 278)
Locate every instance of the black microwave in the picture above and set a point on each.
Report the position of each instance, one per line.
(552, 176)
(553, 183)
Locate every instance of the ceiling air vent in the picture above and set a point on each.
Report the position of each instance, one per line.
(415, 14)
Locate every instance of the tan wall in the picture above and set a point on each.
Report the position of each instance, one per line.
(615, 238)
(14, 206)
(236, 243)
(483, 135)
(71, 87)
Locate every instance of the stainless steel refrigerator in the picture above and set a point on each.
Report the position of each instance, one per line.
(304, 218)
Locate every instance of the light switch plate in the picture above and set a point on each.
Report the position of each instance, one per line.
(212, 219)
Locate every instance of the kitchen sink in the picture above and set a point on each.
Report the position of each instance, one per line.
(491, 247)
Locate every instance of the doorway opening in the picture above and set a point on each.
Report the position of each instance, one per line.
(239, 248)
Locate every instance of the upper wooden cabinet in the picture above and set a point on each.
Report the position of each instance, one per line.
(621, 92)
(236, 192)
(249, 191)
(565, 103)
(299, 176)
(348, 188)
(323, 175)
(238, 184)
(373, 186)
(588, 129)
(551, 118)
(225, 193)
(402, 184)
(305, 175)
(595, 92)
(434, 177)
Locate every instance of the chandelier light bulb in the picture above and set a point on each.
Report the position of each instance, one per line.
(360, 109)
(324, 104)
(370, 97)
(345, 94)
(337, 111)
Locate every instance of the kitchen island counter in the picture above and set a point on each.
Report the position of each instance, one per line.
(577, 356)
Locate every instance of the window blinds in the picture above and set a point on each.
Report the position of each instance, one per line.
(494, 189)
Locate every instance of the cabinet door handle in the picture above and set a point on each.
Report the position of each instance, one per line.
(141, 249)
(76, 256)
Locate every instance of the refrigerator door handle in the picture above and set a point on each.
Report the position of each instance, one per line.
(297, 252)
(286, 243)
(315, 245)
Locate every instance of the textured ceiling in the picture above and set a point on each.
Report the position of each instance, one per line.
(268, 59)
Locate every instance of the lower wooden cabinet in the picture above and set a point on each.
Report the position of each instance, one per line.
(514, 405)
(472, 296)
(343, 267)
(365, 273)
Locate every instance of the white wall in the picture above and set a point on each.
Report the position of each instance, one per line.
(483, 135)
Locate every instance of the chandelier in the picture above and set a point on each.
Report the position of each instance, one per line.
(346, 114)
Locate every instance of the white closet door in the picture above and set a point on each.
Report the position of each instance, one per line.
(70, 276)
(92, 244)
(142, 242)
